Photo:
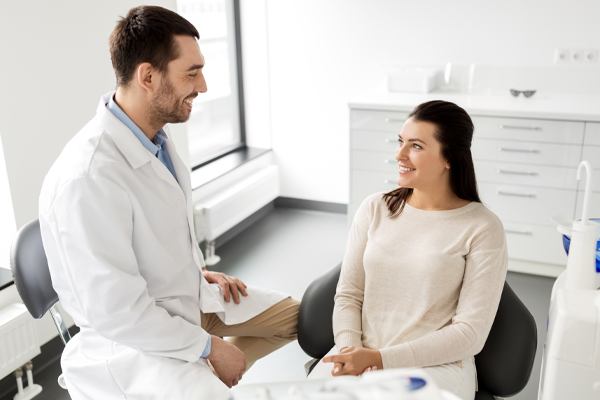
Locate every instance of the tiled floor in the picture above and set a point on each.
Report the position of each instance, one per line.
(286, 250)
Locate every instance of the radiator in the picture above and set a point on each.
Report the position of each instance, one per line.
(218, 213)
(18, 338)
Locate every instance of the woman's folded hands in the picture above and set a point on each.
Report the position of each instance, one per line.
(354, 361)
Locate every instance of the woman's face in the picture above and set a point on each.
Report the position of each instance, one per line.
(420, 162)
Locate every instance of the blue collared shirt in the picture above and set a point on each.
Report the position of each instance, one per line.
(154, 147)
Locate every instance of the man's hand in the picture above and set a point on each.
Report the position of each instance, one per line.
(354, 361)
(230, 285)
(228, 361)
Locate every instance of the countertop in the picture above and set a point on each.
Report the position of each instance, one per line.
(572, 107)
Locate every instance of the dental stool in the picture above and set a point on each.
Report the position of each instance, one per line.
(503, 366)
(32, 278)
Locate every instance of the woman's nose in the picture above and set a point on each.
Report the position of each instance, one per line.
(401, 155)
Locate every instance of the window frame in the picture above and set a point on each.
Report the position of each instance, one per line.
(241, 145)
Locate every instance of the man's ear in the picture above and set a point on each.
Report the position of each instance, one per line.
(147, 77)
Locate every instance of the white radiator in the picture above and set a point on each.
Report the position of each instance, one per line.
(216, 214)
(18, 338)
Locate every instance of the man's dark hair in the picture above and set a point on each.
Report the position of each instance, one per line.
(146, 34)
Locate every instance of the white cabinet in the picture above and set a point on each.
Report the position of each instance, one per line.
(526, 172)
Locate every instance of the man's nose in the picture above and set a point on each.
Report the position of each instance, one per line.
(200, 84)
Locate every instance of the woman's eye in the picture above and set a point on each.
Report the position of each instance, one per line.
(416, 146)
(400, 142)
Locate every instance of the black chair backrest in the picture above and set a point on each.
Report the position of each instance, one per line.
(315, 329)
(30, 270)
(503, 366)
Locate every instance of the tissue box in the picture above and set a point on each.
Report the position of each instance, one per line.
(416, 80)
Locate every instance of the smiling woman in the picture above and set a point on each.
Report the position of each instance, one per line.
(424, 265)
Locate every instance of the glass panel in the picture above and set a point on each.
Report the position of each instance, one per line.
(214, 124)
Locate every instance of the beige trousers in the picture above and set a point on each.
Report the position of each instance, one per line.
(261, 335)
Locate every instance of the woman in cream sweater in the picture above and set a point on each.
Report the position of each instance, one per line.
(425, 264)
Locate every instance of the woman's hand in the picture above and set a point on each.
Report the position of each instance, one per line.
(354, 361)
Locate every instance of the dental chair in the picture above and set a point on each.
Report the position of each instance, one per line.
(32, 278)
(503, 366)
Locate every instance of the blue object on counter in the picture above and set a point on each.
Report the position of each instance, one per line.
(567, 244)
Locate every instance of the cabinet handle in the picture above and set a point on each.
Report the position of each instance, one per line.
(386, 161)
(526, 128)
(505, 171)
(511, 150)
(390, 181)
(504, 193)
(393, 141)
(395, 120)
(519, 232)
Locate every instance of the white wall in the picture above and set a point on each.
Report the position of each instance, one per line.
(7, 218)
(55, 66)
(321, 53)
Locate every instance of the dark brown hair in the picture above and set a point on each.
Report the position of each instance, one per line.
(454, 131)
(146, 34)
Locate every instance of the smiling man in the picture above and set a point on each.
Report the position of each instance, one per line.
(116, 220)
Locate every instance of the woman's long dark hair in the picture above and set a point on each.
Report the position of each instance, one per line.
(454, 131)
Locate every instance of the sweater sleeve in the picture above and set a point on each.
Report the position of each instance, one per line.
(347, 313)
(483, 281)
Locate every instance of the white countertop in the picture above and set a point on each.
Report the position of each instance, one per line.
(573, 107)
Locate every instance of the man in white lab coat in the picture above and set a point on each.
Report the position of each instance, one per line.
(116, 220)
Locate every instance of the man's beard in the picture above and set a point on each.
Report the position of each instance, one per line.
(165, 108)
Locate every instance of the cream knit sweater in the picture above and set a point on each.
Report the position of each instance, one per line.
(423, 288)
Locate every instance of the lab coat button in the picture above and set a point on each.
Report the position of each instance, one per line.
(192, 358)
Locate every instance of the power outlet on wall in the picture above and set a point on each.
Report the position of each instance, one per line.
(564, 55)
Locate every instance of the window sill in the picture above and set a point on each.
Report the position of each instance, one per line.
(221, 166)
(6, 278)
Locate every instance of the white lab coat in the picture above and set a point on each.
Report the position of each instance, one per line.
(118, 233)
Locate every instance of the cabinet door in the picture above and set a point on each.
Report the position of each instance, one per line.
(390, 121)
(534, 243)
(592, 133)
(594, 209)
(533, 130)
(364, 183)
(374, 161)
(592, 154)
(526, 152)
(374, 140)
(530, 205)
(526, 175)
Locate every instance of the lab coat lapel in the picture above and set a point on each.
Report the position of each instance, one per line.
(135, 152)
(183, 176)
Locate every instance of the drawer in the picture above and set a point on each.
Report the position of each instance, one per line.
(594, 210)
(526, 152)
(374, 161)
(523, 204)
(374, 140)
(389, 121)
(364, 183)
(534, 243)
(592, 133)
(526, 175)
(532, 130)
(592, 154)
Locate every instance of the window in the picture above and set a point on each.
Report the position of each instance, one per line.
(216, 125)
